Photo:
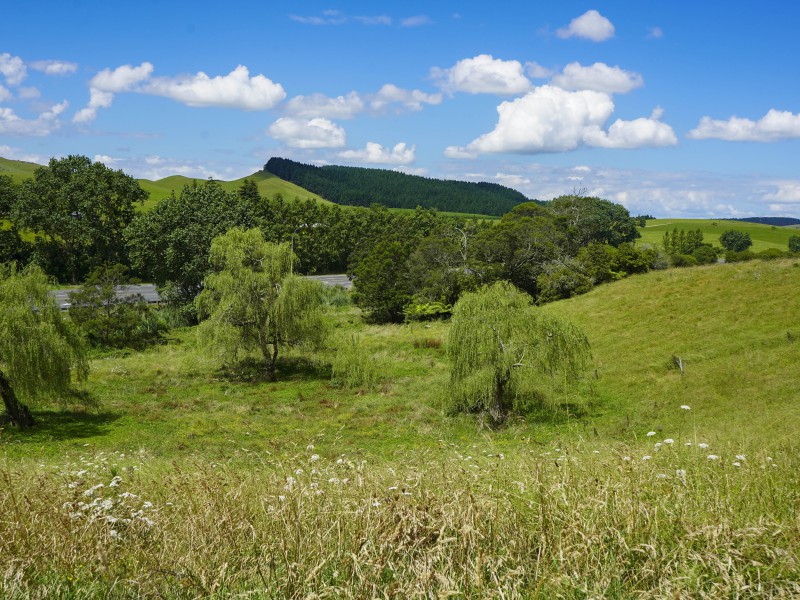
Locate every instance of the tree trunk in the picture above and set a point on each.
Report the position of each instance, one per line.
(498, 412)
(18, 414)
(271, 359)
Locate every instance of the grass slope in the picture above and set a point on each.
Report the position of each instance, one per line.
(18, 170)
(185, 481)
(763, 236)
(736, 328)
(268, 185)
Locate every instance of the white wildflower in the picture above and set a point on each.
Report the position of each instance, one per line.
(702, 445)
(115, 482)
(651, 433)
(661, 476)
(737, 464)
(147, 504)
(310, 447)
(646, 457)
(685, 407)
(669, 441)
(741, 457)
(298, 471)
(115, 534)
(626, 458)
(314, 457)
(658, 445)
(712, 457)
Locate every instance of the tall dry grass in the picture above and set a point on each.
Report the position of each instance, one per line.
(550, 522)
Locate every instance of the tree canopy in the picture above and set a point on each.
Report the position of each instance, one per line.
(39, 351)
(501, 348)
(78, 210)
(251, 301)
(359, 186)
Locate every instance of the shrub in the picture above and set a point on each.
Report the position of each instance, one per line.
(771, 254)
(794, 243)
(683, 260)
(705, 254)
(745, 255)
(427, 311)
(354, 367)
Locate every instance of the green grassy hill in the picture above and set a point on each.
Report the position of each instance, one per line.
(268, 185)
(737, 329)
(18, 170)
(763, 236)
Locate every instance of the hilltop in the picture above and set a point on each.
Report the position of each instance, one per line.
(359, 186)
(763, 236)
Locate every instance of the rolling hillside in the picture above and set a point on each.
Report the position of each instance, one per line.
(763, 236)
(18, 170)
(268, 184)
(736, 328)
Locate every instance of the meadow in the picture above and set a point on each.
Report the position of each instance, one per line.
(171, 477)
(763, 236)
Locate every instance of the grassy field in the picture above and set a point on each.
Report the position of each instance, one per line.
(174, 478)
(763, 236)
(16, 169)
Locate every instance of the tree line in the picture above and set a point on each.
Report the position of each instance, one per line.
(358, 186)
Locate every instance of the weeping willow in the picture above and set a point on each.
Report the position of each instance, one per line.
(500, 347)
(252, 302)
(39, 351)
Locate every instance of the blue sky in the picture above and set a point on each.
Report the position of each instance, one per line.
(676, 109)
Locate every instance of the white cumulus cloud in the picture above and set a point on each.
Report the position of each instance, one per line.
(54, 67)
(234, 90)
(97, 100)
(46, 123)
(598, 77)
(5, 94)
(409, 99)
(12, 68)
(550, 119)
(483, 74)
(121, 79)
(774, 126)
(374, 153)
(591, 25)
(320, 105)
(311, 133)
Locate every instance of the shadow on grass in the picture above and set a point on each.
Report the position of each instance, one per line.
(291, 368)
(60, 425)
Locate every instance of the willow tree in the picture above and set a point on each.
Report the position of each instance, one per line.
(501, 347)
(39, 351)
(252, 302)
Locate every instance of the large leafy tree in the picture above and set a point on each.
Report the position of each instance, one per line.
(501, 347)
(251, 301)
(735, 241)
(39, 351)
(169, 245)
(590, 219)
(78, 209)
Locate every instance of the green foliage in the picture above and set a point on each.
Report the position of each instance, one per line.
(595, 220)
(379, 282)
(743, 256)
(80, 208)
(682, 242)
(517, 248)
(354, 367)
(683, 260)
(170, 244)
(251, 301)
(8, 195)
(109, 316)
(771, 254)
(39, 350)
(794, 243)
(562, 279)
(358, 186)
(500, 348)
(426, 311)
(705, 254)
(735, 240)
(598, 261)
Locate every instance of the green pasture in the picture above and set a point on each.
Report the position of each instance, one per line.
(167, 476)
(763, 236)
(18, 170)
